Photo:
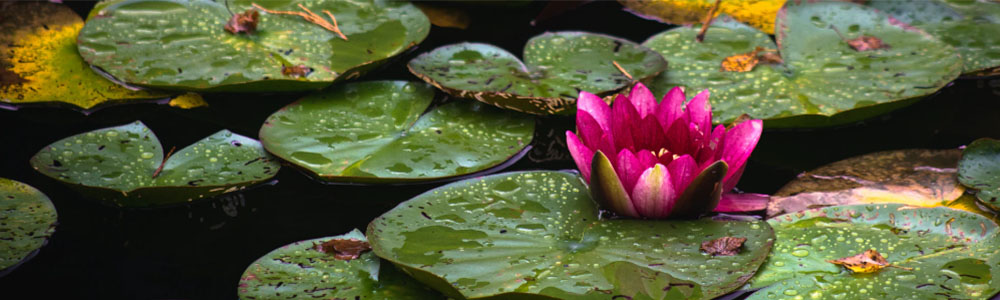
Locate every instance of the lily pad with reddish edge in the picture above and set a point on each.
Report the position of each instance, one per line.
(387, 131)
(301, 270)
(933, 253)
(39, 63)
(972, 27)
(539, 235)
(183, 45)
(556, 67)
(124, 166)
(822, 81)
(27, 220)
(980, 169)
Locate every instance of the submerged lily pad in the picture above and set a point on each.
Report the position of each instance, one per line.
(914, 177)
(972, 27)
(822, 80)
(378, 131)
(540, 234)
(27, 220)
(556, 67)
(39, 62)
(183, 44)
(758, 13)
(980, 169)
(934, 253)
(123, 166)
(302, 270)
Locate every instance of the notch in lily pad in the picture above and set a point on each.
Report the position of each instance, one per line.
(39, 63)
(29, 219)
(540, 235)
(191, 50)
(305, 270)
(125, 166)
(821, 80)
(556, 67)
(388, 131)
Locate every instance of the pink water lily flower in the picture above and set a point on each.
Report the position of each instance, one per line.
(645, 159)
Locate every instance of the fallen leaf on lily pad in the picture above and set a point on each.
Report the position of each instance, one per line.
(821, 80)
(867, 43)
(539, 234)
(758, 13)
(301, 271)
(39, 63)
(125, 166)
(869, 261)
(345, 248)
(28, 220)
(724, 246)
(935, 253)
(556, 67)
(917, 177)
(245, 22)
(383, 131)
(182, 45)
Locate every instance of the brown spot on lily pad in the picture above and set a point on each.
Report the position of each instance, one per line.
(296, 71)
(8, 77)
(344, 249)
(866, 43)
(245, 22)
(724, 246)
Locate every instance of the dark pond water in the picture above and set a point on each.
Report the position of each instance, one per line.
(199, 251)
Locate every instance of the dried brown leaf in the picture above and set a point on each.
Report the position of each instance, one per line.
(344, 249)
(866, 43)
(868, 262)
(740, 62)
(296, 71)
(724, 246)
(245, 22)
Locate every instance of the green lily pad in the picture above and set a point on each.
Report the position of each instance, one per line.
(378, 131)
(980, 169)
(540, 235)
(301, 270)
(823, 81)
(116, 165)
(556, 67)
(183, 45)
(935, 253)
(972, 27)
(916, 177)
(39, 62)
(27, 220)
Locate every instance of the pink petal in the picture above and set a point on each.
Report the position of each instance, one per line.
(677, 138)
(669, 109)
(711, 150)
(642, 98)
(628, 168)
(593, 105)
(649, 135)
(729, 183)
(738, 144)
(732, 202)
(647, 159)
(699, 112)
(582, 155)
(654, 196)
(606, 145)
(590, 129)
(623, 115)
(683, 170)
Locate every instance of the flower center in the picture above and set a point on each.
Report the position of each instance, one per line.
(664, 151)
